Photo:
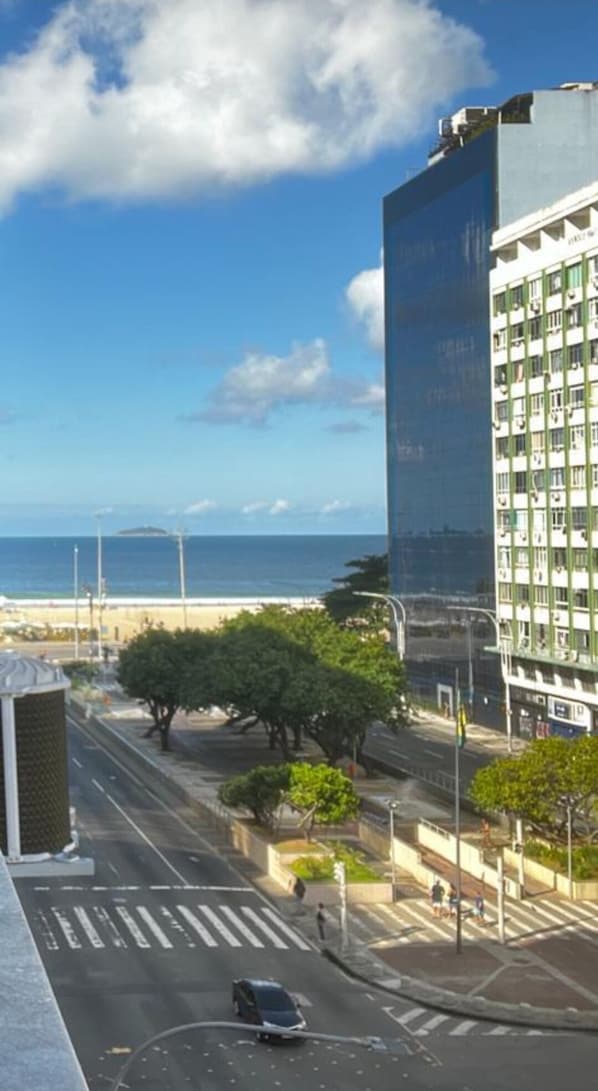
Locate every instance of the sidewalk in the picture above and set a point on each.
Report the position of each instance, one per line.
(551, 956)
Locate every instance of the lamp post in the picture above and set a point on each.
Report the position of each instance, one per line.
(76, 590)
(395, 604)
(181, 549)
(457, 803)
(503, 645)
(99, 519)
(569, 851)
(393, 806)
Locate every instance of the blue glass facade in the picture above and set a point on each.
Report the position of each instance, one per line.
(437, 231)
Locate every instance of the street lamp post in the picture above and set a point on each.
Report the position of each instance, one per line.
(393, 806)
(569, 851)
(395, 604)
(181, 549)
(99, 519)
(503, 645)
(76, 590)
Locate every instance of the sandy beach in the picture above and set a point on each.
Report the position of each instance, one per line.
(123, 619)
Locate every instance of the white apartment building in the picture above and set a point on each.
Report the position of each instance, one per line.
(544, 353)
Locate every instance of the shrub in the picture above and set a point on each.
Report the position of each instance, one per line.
(584, 858)
(321, 868)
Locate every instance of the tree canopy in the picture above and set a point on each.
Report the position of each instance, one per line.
(539, 785)
(370, 573)
(261, 791)
(322, 795)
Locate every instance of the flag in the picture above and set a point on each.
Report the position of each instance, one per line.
(461, 722)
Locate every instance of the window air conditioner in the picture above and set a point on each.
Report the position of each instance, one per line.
(573, 656)
(502, 501)
(584, 535)
(554, 415)
(535, 305)
(504, 388)
(537, 460)
(547, 374)
(575, 365)
(521, 422)
(556, 617)
(502, 573)
(502, 534)
(571, 293)
(541, 644)
(523, 535)
(557, 498)
(595, 282)
(496, 424)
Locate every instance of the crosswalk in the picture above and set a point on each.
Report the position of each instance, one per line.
(410, 920)
(422, 1022)
(163, 927)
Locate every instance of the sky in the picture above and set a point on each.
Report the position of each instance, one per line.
(190, 244)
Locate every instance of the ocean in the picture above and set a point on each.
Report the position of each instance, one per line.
(215, 567)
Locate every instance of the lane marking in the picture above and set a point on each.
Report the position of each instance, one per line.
(91, 933)
(132, 925)
(67, 929)
(241, 926)
(198, 927)
(98, 786)
(147, 840)
(219, 926)
(265, 928)
(288, 931)
(76, 762)
(154, 928)
(115, 937)
(46, 931)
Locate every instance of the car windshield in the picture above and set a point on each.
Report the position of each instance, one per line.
(274, 1000)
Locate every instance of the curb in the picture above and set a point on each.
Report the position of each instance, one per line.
(412, 989)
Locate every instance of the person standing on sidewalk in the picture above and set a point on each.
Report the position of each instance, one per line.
(321, 921)
(478, 908)
(452, 900)
(436, 896)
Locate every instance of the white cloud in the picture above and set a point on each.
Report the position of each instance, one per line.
(371, 398)
(137, 99)
(254, 507)
(365, 294)
(279, 507)
(334, 506)
(200, 507)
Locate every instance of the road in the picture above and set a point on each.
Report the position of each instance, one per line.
(155, 938)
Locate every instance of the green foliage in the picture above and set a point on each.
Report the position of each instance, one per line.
(260, 791)
(324, 795)
(370, 574)
(539, 784)
(320, 868)
(167, 671)
(584, 858)
(80, 672)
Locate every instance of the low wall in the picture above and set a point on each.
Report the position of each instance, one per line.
(581, 889)
(357, 893)
(444, 844)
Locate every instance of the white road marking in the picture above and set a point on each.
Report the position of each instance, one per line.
(198, 927)
(67, 929)
(144, 836)
(115, 937)
(49, 937)
(241, 926)
(76, 762)
(176, 925)
(498, 1030)
(265, 928)
(463, 1028)
(98, 786)
(154, 928)
(88, 927)
(219, 926)
(132, 925)
(431, 1024)
(408, 1016)
(290, 932)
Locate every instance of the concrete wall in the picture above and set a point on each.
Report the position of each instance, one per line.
(582, 890)
(444, 844)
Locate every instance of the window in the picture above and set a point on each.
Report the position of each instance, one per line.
(593, 266)
(502, 411)
(504, 519)
(595, 518)
(556, 400)
(574, 275)
(535, 328)
(539, 519)
(517, 296)
(554, 321)
(500, 303)
(574, 316)
(557, 439)
(578, 477)
(534, 288)
(502, 482)
(555, 359)
(518, 407)
(554, 282)
(520, 443)
(535, 366)
(521, 481)
(504, 557)
(537, 404)
(537, 442)
(576, 397)
(517, 333)
(559, 558)
(580, 599)
(522, 592)
(562, 638)
(558, 518)
(593, 393)
(500, 340)
(581, 640)
(577, 437)
(505, 592)
(592, 310)
(500, 375)
(540, 595)
(518, 369)
(540, 557)
(520, 520)
(557, 477)
(594, 434)
(579, 518)
(502, 447)
(594, 470)
(593, 347)
(575, 355)
(580, 560)
(561, 596)
(521, 558)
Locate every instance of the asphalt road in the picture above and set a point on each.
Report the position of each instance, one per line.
(155, 938)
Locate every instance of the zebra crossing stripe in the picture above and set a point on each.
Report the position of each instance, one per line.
(154, 928)
(196, 924)
(409, 1016)
(49, 937)
(499, 1030)
(176, 925)
(132, 925)
(115, 936)
(463, 1028)
(265, 928)
(219, 926)
(91, 933)
(431, 1024)
(67, 929)
(254, 940)
(290, 932)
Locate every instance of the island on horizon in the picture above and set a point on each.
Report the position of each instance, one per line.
(143, 532)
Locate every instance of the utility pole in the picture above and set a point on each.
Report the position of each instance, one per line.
(392, 807)
(500, 894)
(99, 519)
(76, 590)
(181, 549)
(341, 877)
(458, 726)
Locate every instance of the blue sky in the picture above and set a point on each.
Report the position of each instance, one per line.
(190, 226)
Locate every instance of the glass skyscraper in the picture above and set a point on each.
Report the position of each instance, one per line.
(490, 167)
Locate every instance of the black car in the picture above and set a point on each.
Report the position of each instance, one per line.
(266, 1004)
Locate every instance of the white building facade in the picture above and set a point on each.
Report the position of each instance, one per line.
(544, 358)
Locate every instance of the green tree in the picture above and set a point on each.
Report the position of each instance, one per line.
(539, 785)
(370, 574)
(261, 791)
(167, 671)
(322, 794)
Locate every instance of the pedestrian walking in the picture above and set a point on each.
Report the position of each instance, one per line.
(321, 921)
(453, 900)
(436, 896)
(479, 909)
